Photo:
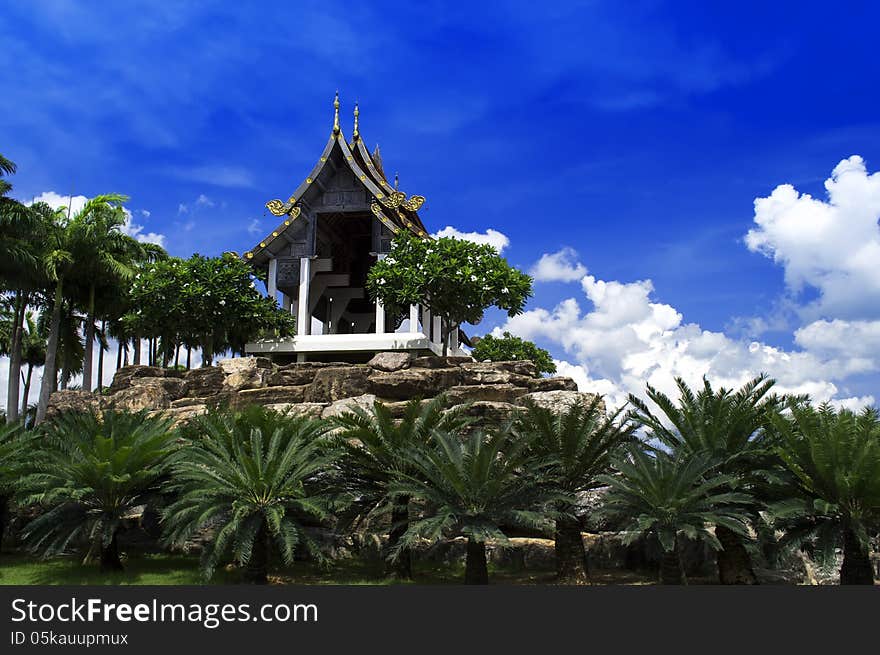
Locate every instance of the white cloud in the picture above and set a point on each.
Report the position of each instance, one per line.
(831, 245)
(492, 237)
(76, 203)
(561, 266)
(626, 340)
(254, 227)
(217, 175)
(204, 201)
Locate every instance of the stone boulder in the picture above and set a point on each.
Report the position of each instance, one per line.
(364, 401)
(413, 382)
(552, 384)
(390, 361)
(558, 401)
(174, 387)
(269, 396)
(488, 413)
(68, 400)
(246, 372)
(517, 367)
(295, 374)
(205, 381)
(503, 393)
(491, 373)
(122, 379)
(337, 382)
(434, 361)
(149, 393)
(311, 410)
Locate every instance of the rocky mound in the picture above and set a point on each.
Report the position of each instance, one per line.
(492, 390)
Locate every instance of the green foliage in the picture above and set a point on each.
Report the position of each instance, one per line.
(209, 301)
(472, 486)
(253, 476)
(834, 460)
(89, 472)
(456, 279)
(15, 449)
(669, 496)
(509, 347)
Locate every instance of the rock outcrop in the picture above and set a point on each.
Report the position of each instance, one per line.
(492, 391)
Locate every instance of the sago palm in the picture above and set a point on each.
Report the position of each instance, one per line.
(728, 426)
(670, 497)
(834, 459)
(375, 446)
(581, 443)
(15, 448)
(472, 487)
(251, 476)
(88, 473)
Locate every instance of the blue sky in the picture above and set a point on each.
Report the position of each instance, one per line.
(638, 134)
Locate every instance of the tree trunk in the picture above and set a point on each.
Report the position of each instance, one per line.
(176, 355)
(4, 517)
(27, 391)
(99, 383)
(188, 358)
(119, 348)
(136, 351)
(671, 569)
(475, 569)
(734, 563)
(208, 352)
(256, 571)
(110, 557)
(49, 370)
(571, 556)
(90, 341)
(14, 388)
(402, 566)
(856, 568)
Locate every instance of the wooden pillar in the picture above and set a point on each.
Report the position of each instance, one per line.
(271, 283)
(413, 318)
(303, 319)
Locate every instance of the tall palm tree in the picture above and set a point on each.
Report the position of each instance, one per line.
(581, 443)
(671, 497)
(67, 242)
(33, 354)
(375, 447)
(834, 459)
(472, 487)
(88, 473)
(728, 426)
(253, 475)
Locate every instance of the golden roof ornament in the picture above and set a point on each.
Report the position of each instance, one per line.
(356, 114)
(336, 114)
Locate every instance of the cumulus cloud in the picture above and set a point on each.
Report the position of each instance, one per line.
(561, 266)
(76, 203)
(254, 227)
(831, 245)
(625, 339)
(492, 237)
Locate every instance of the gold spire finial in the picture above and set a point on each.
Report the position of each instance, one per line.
(336, 113)
(356, 114)
(396, 180)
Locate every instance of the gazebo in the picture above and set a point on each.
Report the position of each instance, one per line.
(338, 222)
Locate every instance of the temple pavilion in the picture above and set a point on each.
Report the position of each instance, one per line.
(338, 222)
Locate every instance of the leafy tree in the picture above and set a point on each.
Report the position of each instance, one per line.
(509, 347)
(471, 487)
(90, 472)
(727, 425)
(375, 447)
(253, 475)
(15, 446)
(670, 497)
(457, 280)
(580, 443)
(834, 459)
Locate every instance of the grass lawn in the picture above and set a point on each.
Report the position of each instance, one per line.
(169, 569)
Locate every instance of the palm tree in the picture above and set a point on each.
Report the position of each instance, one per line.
(834, 459)
(727, 426)
(581, 443)
(471, 487)
(91, 471)
(66, 244)
(253, 476)
(375, 447)
(670, 497)
(14, 446)
(33, 354)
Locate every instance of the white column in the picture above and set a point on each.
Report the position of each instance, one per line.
(453, 342)
(438, 331)
(380, 318)
(413, 318)
(303, 320)
(271, 289)
(426, 322)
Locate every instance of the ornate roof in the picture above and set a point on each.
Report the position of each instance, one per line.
(391, 206)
